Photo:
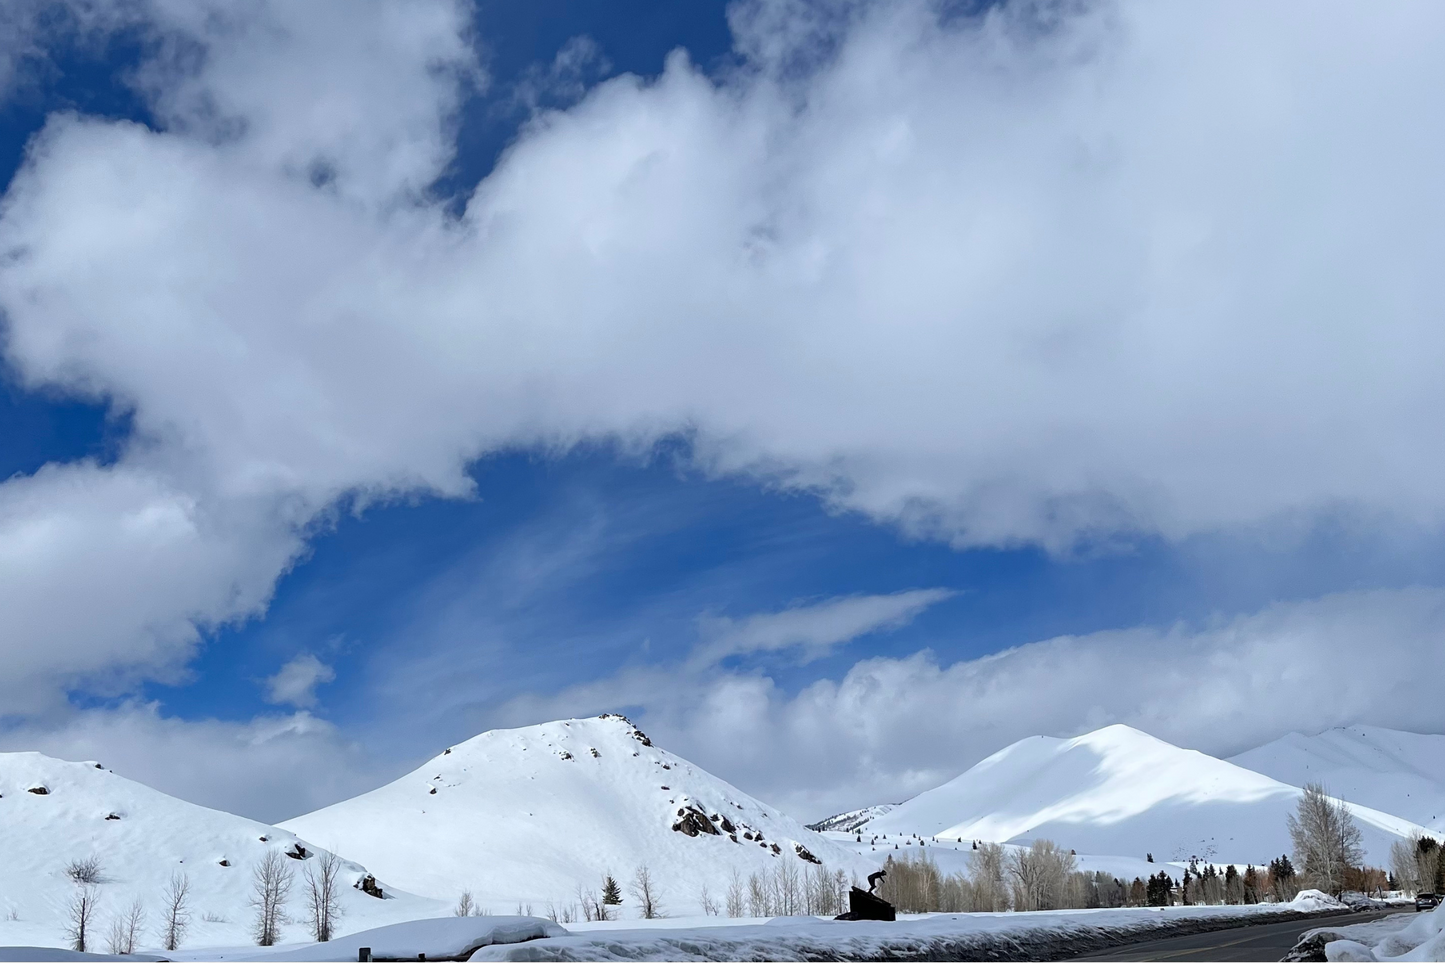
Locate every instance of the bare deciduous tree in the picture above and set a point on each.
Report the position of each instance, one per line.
(644, 890)
(737, 897)
(323, 899)
(80, 916)
(464, 904)
(125, 930)
(176, 911)
(986, 871)
(271, 885)
(1040, 875)
(1327, 843)
(706, 901)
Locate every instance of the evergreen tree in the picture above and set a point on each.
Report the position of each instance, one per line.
(1251, 885)
(611, 892)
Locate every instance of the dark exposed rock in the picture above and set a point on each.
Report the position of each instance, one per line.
(39, 790)
(595, 753)
(112, 816)
(565, 754)
(432, 791)
(806, 856)
(368, 885)
(727, 825)
(694, 822)
(297, 851)
(225, 862)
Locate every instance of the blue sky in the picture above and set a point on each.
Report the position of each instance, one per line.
(504, 385)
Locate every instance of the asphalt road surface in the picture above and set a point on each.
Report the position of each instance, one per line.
(1266, 941)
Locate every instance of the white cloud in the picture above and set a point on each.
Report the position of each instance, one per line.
(1056, 273)
(893, 727)
(107, 574)
(814, 628)
(295, 684)
(269, 768)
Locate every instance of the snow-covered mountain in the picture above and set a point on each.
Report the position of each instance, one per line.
(1121, 791)
(1399, 772)
(530, 815)
(55, 813)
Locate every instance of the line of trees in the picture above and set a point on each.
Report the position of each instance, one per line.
(1418, 865)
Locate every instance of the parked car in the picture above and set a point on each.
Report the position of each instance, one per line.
(1426, 901)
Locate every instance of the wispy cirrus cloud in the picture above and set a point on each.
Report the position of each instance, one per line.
(814, 628)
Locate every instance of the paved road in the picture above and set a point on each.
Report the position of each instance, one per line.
(1266, 941)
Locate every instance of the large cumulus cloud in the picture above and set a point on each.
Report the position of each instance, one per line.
(1050, 274)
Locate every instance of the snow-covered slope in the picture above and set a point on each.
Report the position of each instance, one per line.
(1124, 792)
(1398, 772)
(851, 820)
(530, 815)
(140, 837)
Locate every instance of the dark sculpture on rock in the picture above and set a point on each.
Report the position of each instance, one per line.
(865, 906)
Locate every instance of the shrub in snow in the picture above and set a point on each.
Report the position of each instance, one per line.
(84, 870)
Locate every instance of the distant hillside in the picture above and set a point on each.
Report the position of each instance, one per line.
(1399, 772)
(850, 821)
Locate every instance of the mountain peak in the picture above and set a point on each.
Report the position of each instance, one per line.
(540, 811)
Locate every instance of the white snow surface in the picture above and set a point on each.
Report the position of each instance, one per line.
(1394, 938)
(1121, 791)
(151, 837)
(523, 816)
(439, 939)
(811, 938)
(1397, 772)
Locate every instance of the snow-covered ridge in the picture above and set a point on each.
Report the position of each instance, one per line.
(528, 816)
(55, 813)
(851, 821)
(1120, 791)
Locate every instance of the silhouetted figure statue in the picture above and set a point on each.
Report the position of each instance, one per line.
(866, 906)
